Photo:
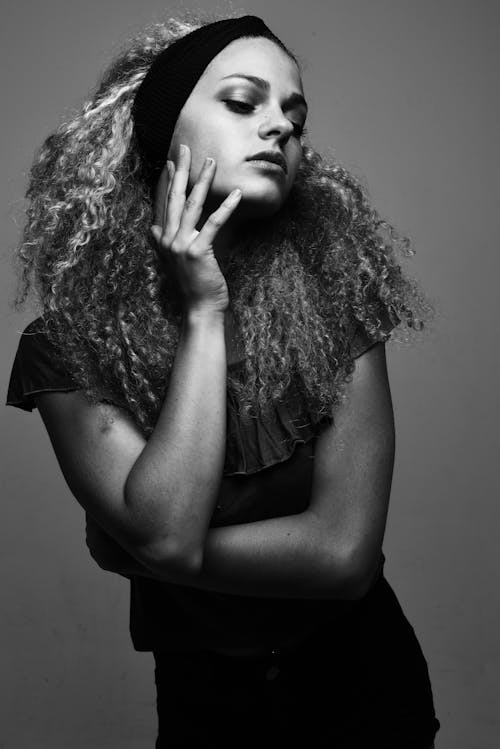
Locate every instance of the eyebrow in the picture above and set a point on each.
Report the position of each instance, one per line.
(291, 100)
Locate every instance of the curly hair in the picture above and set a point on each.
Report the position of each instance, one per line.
(324, 265)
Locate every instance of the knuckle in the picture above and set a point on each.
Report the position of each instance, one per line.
(165, 240)
(190, 203)
(175, 192)
(215, 219)
(176, 246)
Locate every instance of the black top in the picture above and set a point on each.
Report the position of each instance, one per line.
(267, 473)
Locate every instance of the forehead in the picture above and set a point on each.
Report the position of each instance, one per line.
(255, 56)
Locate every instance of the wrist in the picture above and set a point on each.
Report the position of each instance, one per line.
(204, 316)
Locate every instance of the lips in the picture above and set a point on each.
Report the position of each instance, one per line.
(275, 157)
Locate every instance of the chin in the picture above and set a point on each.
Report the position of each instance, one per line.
(253, 209)
(256, 202)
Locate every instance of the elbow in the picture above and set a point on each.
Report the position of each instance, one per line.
(353, 579)
(361, 576)
(167, 557)
(163, 553)
(358, 588)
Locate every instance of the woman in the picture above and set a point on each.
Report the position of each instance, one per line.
(210, 367)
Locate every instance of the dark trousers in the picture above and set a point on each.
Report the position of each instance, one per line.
(364, 686)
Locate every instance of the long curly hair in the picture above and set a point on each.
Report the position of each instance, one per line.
(326, 264)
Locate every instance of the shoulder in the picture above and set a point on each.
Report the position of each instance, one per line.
(361, 341)
(34, 341)
(36, 368)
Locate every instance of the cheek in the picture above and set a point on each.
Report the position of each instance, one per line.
(297, 158)
(187, 132)
(294, 170)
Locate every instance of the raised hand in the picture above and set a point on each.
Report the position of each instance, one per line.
(188, 252)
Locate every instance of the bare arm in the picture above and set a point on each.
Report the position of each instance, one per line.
(332, 550)
(173, 485)
(156, 496)
(276, 558)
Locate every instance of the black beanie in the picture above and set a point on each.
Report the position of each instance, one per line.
(173, 75)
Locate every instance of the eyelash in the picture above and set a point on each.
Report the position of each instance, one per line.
(300, 131)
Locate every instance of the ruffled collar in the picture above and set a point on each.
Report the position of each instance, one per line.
(260, 442)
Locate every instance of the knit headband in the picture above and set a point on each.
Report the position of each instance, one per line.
(173, 75)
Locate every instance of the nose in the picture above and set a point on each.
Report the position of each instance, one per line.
(276, 123)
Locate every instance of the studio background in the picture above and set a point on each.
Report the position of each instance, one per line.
(404, 94)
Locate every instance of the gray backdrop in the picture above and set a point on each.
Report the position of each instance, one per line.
(404, 92)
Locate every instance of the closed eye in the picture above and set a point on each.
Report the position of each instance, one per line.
(244, 107)
(238, 105)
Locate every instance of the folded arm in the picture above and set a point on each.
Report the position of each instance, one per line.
(333, 549)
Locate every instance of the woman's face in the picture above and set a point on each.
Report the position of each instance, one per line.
(231, 118)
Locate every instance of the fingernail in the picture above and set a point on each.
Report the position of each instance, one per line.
(182, 149)
(209, 161)
(234, 195)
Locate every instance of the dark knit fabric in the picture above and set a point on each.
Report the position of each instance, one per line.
(173, 75)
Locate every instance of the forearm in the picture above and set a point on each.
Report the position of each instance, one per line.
(283, 557)
(172, 487)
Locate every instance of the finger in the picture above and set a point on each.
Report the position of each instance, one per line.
(157, 229)
(193, 205)
(161, 192)
(177, 195)
(217, 219)
(171, 172)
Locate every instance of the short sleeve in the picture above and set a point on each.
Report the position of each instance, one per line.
(36, 369)
(361, 341)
